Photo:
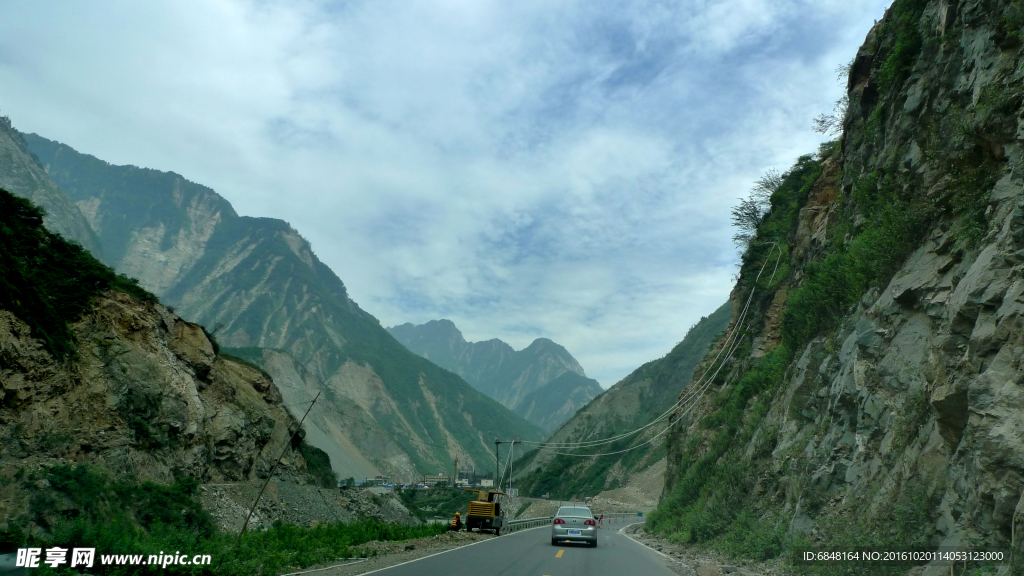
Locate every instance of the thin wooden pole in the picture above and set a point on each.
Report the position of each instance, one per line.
(272, 468)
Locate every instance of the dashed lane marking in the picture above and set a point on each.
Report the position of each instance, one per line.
(559, 555)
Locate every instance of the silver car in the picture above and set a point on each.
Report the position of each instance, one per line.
(574, 523)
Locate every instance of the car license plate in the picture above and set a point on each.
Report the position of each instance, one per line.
(574, 532)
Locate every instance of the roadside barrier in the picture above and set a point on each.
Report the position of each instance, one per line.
(526, 523)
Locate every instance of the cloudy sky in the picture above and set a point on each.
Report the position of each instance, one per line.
(531, 168)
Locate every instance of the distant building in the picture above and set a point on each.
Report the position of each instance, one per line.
(434, 479)
(486, 482)
(471, 477)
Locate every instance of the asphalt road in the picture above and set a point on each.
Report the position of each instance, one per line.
(530, 553)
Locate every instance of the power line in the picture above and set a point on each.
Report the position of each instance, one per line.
(687, 397)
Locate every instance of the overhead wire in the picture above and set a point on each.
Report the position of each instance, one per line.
(691, 396)
(505, 468)
(687, 394)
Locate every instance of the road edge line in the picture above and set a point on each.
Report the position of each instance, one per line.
(445, 552)
(623, 532)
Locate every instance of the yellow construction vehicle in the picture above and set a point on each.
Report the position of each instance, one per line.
(485, 511)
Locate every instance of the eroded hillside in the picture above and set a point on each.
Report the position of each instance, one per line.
(258, 285)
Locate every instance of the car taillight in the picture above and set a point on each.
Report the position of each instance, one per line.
(558, 521)
(589, 523)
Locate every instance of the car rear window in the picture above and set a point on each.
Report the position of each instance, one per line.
(578, 511)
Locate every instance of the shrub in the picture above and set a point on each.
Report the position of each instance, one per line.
(318, 463)
(47, 281)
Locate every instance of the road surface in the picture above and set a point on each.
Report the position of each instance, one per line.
(530, 553)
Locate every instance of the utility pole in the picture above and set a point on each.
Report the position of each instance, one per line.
(496, 464)
(511, 460)
(455, 471)
(274, 467)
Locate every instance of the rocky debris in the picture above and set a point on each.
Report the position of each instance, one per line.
(538, 508)
(299, 504)
(510, 505)
(433, 543)
(641, 492)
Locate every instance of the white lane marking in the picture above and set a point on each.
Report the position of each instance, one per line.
(622, 531)
(349, 563)
(449, 550)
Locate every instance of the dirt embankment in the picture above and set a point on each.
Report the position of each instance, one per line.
(641, 491)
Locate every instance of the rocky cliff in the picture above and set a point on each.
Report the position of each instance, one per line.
(871, 388)
(521, 380)
(260, 288)
(145, 395)
(140, 392)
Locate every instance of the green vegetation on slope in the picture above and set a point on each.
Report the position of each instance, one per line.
(318, 464)
(726, 487)
(710, 499)
(47, 281)
(86, 507)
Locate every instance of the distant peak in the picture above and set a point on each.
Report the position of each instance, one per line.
(443, 328)
(545, 344)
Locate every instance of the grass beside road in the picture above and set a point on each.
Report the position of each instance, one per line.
(83, 507)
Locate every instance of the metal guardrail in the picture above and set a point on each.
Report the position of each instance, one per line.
(526, 523)
(624, 515)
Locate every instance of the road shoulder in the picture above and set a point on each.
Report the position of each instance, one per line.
(379, 555)
(690, 561)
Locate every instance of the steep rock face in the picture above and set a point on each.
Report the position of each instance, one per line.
(146, 395)
(257, 283)
(892, 414)
(517, 379)
(634, 402)
(23, 176)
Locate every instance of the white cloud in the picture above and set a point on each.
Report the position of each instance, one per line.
(537, 168)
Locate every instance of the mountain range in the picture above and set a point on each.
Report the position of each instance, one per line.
(265, 296)
(542, 382)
